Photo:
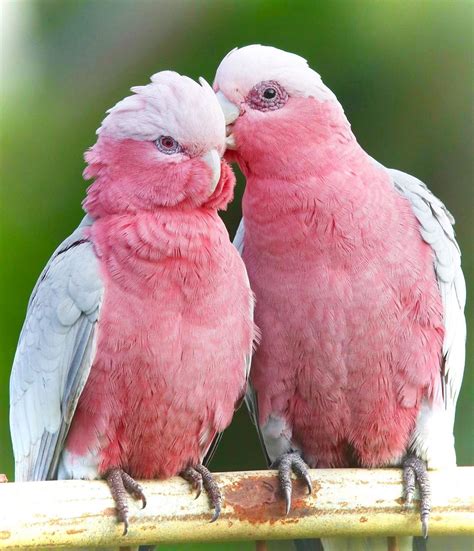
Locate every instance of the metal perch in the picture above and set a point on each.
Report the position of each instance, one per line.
(344, 501)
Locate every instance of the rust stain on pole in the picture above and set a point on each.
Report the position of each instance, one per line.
(258, 500)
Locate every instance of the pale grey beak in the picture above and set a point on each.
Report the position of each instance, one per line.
(231, 114)
(213, 161)
(230, 110)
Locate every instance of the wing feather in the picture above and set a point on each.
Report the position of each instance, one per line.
(54, 356)
(436, 226)
(239, 237)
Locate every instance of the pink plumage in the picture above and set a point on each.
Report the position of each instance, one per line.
(151, 325)
(175, 325)
(173, 335)
(346, 294)
(357, 277)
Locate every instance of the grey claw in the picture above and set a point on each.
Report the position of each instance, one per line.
(120, 484)
(424, 528)
(287, 492)
(415, 473)
(195, 478)
(198, 489)
(212, 490)
(309, 484)
(217, 512)
(292, 462)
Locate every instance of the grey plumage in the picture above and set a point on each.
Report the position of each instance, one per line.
(436, 227)
(54, 356)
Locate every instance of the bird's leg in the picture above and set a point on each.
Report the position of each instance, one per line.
(200, 477)
(287, 463)
(133, 488)
(212, 490)
(194, 478)
(415, 471)
(120, 483)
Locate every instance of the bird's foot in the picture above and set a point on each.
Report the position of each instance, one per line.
(415, 471)
(121, 483)
(287, 463)
(194, 478)
(200, 477)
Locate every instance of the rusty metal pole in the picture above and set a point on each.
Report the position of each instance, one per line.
(38, 515)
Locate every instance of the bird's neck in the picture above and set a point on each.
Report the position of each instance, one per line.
(167, 235)
(342, 196)
(329, 176)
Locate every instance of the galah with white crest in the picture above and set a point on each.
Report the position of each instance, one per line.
(358, 283)
(138, 335)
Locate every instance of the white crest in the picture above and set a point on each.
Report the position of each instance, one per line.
(243, 68)
(171, 105)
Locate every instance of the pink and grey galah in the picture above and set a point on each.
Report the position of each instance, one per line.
(138, 335)
(358, 283)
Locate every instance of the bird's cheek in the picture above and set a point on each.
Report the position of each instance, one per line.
(248, 135)
(224, 191)
(197, 184)
(174, 183)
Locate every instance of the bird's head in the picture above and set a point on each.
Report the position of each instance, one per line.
(160, 147)
(278, 111)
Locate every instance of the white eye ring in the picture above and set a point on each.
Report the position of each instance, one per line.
(167, 145)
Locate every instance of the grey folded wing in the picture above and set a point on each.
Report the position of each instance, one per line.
(238, 241)
(436, 226)
(54, 356)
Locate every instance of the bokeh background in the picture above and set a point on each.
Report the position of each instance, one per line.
(403, 71)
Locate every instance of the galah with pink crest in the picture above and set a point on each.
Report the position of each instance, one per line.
(138, 335)
(358, 283)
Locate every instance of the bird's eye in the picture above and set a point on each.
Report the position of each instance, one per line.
(167, 145)
(269, 93)
(267, 96)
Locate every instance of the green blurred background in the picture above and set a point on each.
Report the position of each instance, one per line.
(403, 70)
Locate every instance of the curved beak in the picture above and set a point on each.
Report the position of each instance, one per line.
(230, 110)
(231, 114)
(213, 161)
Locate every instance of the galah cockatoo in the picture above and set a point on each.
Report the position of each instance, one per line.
(138, 335)
(358, 283)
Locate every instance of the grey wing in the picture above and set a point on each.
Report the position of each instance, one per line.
(54, 356)
(76, 236)
(239, 237)
(238, 243)
(436, 224)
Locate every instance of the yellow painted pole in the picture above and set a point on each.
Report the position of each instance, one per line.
(344, 502)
